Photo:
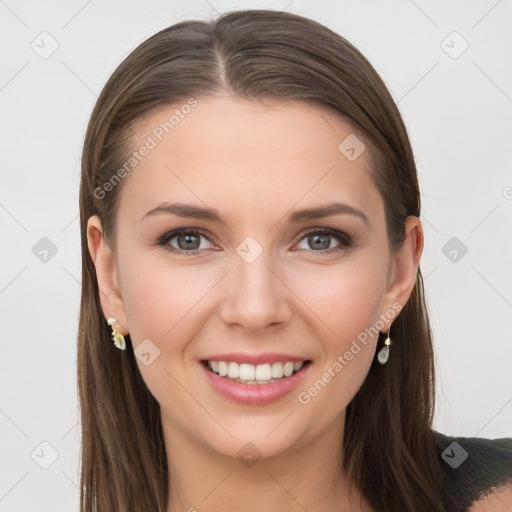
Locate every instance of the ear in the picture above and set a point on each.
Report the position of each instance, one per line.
(106, 273)
(404, 270)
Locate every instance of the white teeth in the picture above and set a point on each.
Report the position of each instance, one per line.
(277, 370)
(263, 372)
(246, 372)
(223, 368)
(233, 371)
(251, 374)
(288, 369)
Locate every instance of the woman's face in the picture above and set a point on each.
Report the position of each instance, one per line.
(252, 278)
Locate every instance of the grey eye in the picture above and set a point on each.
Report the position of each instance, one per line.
(188, 241)
(319, 241)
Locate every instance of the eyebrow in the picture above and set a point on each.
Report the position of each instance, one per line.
(212, 215)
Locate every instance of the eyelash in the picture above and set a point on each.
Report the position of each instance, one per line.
(344, 239)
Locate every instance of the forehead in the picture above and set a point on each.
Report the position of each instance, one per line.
(246, 125)
(248, 152)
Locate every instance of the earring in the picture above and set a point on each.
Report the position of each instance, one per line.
(383, 354)
(117, 337)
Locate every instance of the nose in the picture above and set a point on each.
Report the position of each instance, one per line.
(254, 295)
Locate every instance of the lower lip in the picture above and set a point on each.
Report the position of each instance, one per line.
(255, 394)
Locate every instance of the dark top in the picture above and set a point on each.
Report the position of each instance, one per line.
(472, 467)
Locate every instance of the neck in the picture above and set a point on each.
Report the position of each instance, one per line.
(299, 480)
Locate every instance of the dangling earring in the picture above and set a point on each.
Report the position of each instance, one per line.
(117, 337)
(383, 354)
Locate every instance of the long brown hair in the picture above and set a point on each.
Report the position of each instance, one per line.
(389, 449)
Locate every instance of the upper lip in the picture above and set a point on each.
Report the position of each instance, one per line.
(255, 359)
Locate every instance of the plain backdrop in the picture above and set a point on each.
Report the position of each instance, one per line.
(447, 64)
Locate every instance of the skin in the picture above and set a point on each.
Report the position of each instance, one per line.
(500, 500)
(255, 163)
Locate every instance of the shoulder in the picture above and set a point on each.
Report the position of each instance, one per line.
(477, 472)
(497, 500)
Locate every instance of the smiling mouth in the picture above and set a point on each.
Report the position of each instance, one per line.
(255, 374)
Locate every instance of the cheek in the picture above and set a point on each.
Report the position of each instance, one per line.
(345, 298)
(160, 299)
(346, 303)
(163, 304)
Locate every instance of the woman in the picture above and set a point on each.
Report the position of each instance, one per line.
(253, 331)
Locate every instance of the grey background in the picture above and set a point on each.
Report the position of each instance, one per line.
(457, 107)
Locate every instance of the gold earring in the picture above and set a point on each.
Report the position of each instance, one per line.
(117, 337)
(383, 354)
